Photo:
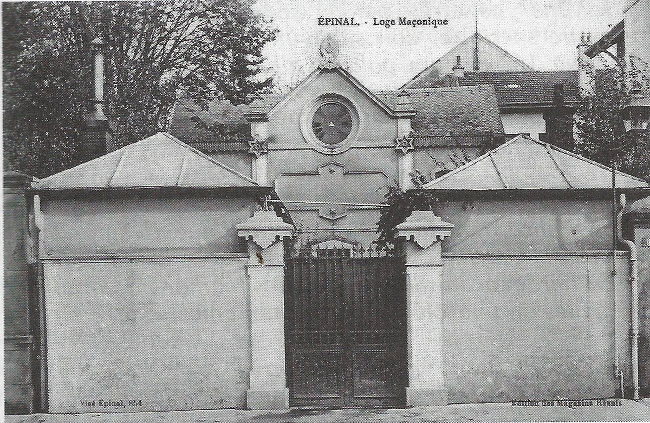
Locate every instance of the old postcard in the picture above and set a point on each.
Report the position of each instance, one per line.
(227, 210)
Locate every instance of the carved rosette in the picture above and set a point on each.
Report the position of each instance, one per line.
(258, 146)
(404, 143)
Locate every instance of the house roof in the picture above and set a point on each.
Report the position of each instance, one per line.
(524, 163)
(433, 71)
(158, 161)
(217, 126)
(456, 110)
(517, 88)
(531, 87)
(469, 111)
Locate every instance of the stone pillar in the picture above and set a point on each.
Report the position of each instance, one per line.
(259, 142)
(424, 232)
(404, 141)
(264, 232)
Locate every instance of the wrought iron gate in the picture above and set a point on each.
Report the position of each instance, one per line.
(345, 325)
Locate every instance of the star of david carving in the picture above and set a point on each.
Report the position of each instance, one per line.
(404, 143)
(258, 146)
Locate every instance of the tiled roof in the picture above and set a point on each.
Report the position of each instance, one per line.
(517, 88)
(221, 126)
(461, 113)
(525, 163)
(534, 87)
(158, 161)
(452, 110)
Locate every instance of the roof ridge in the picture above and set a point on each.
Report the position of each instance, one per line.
(584, 159)
(434, 63)
(96, 159)
(205, 156)
(471, 163)
(505, 51)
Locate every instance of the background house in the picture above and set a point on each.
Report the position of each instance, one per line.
(530, 101)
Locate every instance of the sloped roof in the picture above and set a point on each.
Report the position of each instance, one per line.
(433, 71)
(528, 164)
(471, 110)
(160, 160)
(515, 88)
(219, 126)
(457, 110)
(533, 87)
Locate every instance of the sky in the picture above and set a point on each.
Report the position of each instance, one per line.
(542, 33)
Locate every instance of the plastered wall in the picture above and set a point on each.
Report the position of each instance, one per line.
(642, 241)
(131, 335)
(520, 328)
(532, 123)
(637, 27)
(527, 225)
(142, 225)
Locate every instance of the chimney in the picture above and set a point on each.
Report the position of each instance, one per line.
(459, 70)
(404, 103)
(585, 66)
(95, 132)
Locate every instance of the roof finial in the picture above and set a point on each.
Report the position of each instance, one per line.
(329, 52)
(476, 65)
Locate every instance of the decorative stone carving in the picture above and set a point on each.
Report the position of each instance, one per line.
(258, 146)
(329, 52)
(404, 143)
(329, 186)
(264, 228)
(424, 228)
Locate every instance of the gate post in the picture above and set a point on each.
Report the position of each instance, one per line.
(424, 232)
(264, 232)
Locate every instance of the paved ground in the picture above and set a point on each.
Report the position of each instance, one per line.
(627, 411)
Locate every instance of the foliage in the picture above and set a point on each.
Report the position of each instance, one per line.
(400, 206)
(155, 51)
(601, 137)
(601, 133)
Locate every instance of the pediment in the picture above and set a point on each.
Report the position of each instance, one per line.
(348, 82)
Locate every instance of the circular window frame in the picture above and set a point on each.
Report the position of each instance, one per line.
(308, 133)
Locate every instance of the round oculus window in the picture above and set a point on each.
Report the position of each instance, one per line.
(332, 123)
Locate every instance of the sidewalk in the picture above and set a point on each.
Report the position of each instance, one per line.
(627, 411)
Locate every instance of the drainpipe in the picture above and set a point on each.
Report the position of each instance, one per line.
(634, 282)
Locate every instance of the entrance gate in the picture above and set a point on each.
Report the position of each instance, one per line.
(345, 320)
